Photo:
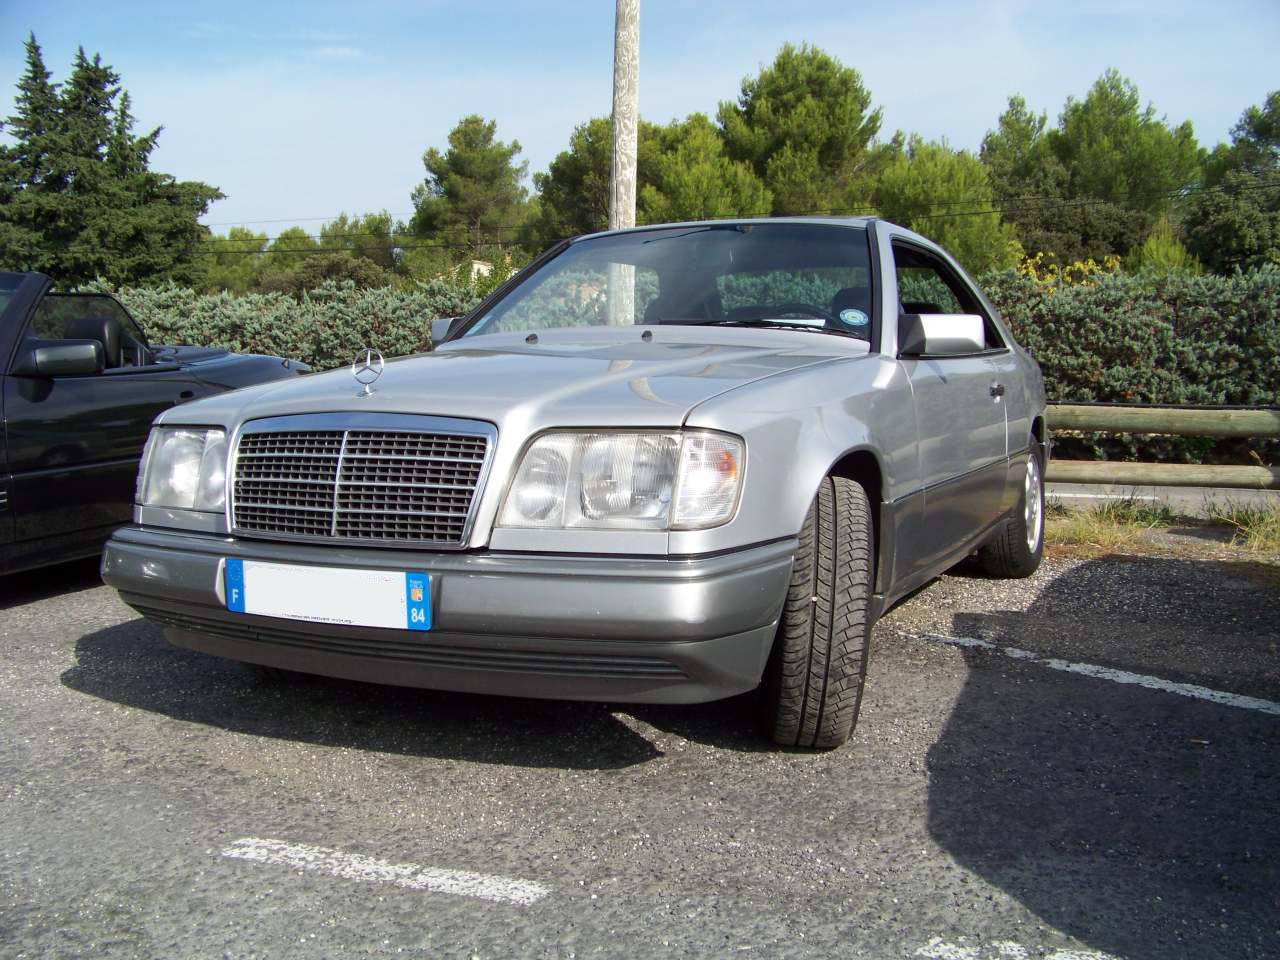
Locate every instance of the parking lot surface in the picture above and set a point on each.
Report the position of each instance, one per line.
(1080, 766)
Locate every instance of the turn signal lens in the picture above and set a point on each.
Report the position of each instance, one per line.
(710, 471)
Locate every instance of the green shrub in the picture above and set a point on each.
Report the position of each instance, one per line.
(1150, 338)
(1173, 338)
(325, 327)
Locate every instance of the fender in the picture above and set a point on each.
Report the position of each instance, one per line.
(798, 426)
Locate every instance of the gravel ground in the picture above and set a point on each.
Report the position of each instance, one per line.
(988, 807)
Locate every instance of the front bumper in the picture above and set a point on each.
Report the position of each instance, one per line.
(532, 625)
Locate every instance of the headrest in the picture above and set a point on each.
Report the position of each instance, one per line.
(106, 330)
(856, 298)
(919, 306)
(660, 308)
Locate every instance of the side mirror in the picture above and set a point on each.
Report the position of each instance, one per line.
(61, 359)
(441, 327)
(940, 334)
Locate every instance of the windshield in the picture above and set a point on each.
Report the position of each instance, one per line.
(804, 276)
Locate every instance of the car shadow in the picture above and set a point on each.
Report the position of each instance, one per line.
(132, 664)
(1142, 823)
(18, 589)
(731, 724)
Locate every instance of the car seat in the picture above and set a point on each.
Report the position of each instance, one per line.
(106, 330)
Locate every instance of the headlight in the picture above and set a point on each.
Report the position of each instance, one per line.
(625, 481)
(184, 467)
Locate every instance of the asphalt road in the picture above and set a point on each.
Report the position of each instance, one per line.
(999, 802)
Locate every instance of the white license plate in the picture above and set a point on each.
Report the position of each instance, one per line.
(395, 599)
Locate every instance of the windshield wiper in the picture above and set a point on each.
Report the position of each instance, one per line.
(766, 322)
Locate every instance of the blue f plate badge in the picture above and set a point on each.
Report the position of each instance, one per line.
(391, 599)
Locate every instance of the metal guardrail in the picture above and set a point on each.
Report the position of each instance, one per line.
(1170, 421)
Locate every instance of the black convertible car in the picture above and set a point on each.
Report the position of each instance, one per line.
(79, 387)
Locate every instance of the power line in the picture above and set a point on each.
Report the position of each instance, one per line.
(321, 251)
(335, 216)
(337, 237)
(309, 251)
(509, 239)
(1012, 204)
(1059, 204)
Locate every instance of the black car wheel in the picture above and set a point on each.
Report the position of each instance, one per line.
(813, 684)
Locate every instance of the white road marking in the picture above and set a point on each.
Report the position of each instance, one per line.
(1054, 495)
(939, 949)
(352, 866)
(1116, 676)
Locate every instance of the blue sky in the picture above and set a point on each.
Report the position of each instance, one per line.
(299, 110)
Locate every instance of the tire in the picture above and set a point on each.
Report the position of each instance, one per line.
(1015, 552)
(812, 687)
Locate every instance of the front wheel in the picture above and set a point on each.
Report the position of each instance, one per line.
(1015, 551)
(813, 685)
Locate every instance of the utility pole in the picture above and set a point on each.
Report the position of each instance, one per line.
(626, 92)
(622, 176)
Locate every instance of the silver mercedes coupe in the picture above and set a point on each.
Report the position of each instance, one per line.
(670, 464)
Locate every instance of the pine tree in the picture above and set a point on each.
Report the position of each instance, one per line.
(473, 198)
(806, 127)
(694, 180)
(930, 177)
(80, 200)
(24, 166)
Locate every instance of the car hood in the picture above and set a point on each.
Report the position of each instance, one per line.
(597, 377)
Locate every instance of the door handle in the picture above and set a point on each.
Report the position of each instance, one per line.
(997, 390)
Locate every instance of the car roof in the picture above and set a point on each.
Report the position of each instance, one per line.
(732, 221)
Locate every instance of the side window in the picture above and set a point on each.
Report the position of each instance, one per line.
(87, 316)
(927, 285)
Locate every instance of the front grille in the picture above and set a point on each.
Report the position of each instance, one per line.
(384, 486)
(336, 640)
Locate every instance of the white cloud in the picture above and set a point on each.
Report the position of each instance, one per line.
(334, 52)
(205, 30)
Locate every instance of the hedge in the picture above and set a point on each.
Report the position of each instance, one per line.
(1172, 339)
(325, 327)
(1126, 338)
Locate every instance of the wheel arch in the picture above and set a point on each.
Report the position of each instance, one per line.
(1040, 431)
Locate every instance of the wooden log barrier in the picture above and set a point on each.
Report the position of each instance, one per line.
(1163, 474)
(1175, 421)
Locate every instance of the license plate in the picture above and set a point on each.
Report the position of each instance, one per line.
(394, 599)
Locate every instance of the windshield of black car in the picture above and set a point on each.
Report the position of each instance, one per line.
(806, 276)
